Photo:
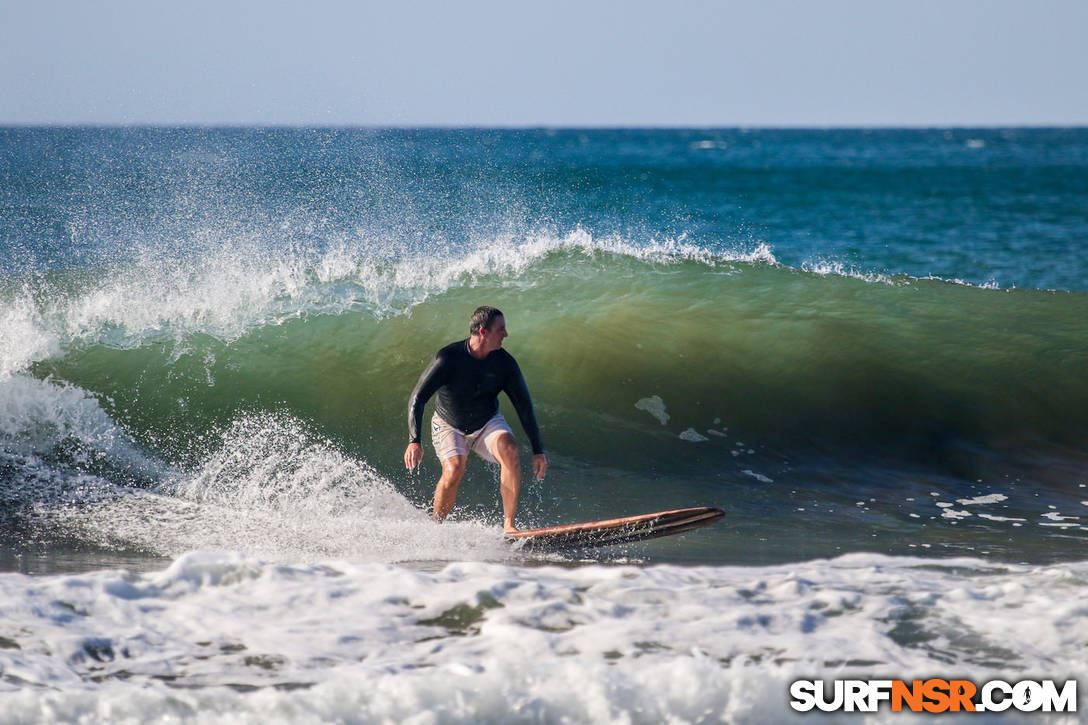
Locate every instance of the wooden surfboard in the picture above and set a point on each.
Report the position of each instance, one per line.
(617, 531)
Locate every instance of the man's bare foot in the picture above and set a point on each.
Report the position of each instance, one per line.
(509, 529)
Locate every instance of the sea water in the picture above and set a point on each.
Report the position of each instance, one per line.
(870, 347)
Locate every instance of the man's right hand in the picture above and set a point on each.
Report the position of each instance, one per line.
(413, 454)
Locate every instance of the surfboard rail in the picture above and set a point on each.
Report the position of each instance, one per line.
(619, 530)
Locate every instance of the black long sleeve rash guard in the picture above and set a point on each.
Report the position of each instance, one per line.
(468, 391)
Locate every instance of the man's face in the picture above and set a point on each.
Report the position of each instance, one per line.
(493, 337)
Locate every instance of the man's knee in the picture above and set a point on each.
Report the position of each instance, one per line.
(505, 448)
(453, 469)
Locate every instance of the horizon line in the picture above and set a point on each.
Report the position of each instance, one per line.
(545, 127)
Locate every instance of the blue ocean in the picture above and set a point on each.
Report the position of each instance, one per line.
(869, 347)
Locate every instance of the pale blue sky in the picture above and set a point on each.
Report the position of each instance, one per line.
(556, 63)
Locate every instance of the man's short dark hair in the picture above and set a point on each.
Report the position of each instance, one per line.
(482, 318)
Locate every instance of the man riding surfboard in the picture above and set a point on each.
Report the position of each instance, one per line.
(468, 376)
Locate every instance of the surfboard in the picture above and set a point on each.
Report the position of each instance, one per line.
(617, 531)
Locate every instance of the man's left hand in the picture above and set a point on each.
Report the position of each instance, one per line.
(540, 466)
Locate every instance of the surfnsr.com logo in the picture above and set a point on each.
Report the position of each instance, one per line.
(933, 695)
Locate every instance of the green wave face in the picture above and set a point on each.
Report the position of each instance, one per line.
(789, 359)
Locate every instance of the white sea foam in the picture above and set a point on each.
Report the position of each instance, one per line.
(989, 498)
(272, 489)
(1056, 516)
(834, 268)
(826, 268)
(267, 487)
(693, 436)
(990, 284)
(36, 416)
(24, 336)
(655, 406)
(227, 638)
(707, 144)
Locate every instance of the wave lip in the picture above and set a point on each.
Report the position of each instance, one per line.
(242, 286)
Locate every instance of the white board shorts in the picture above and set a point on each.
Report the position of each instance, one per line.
(449, 442)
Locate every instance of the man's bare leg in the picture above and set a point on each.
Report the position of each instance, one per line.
(445, 493)
(505, 449)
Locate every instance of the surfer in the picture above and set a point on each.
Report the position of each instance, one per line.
(468, 376)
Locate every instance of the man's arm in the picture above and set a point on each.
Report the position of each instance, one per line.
(518, 392)
(431, 380)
